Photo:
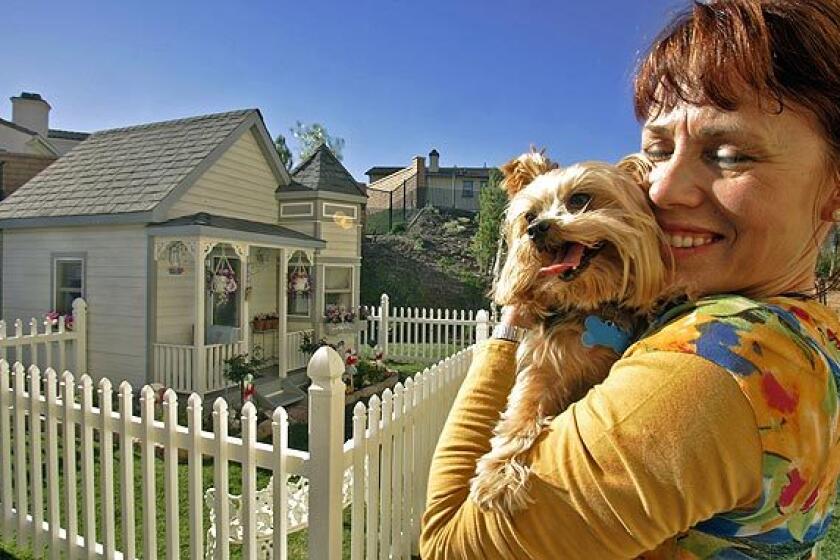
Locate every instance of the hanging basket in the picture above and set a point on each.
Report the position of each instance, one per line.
(222, 281)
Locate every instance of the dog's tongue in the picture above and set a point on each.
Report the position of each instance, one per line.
(574, 252)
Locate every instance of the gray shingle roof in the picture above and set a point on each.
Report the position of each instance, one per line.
(122, 170)
(323, 172)
(237, 224)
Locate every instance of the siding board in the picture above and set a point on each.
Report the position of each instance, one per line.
(239, 185)
(115, 277)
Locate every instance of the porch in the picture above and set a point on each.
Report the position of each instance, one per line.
(214, 281)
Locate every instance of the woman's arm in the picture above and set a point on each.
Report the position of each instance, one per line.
(666, 441)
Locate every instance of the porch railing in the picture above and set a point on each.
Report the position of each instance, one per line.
(214, 360)
(175, 365)
(297, 359)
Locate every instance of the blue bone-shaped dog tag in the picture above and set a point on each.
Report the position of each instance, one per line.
(604, 333)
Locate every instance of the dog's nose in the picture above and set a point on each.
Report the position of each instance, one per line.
(538, 230)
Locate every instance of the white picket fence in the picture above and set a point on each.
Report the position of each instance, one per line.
(423, 334)
(47, 345)
(48, 501)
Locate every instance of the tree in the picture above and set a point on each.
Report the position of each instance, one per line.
(492, 201)
(283, 151)
(311, 136)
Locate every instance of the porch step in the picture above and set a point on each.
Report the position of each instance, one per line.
(277, 392)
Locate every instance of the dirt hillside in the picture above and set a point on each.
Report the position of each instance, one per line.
(429, 264)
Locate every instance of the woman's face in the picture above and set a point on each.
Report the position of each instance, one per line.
(742, 196)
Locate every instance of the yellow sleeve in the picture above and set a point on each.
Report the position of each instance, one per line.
(666, 441)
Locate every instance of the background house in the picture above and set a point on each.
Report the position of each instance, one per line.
(417, 185)
(149, 222)
(27, 143)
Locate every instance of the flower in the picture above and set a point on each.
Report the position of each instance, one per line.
(340, 314)
(53, 318)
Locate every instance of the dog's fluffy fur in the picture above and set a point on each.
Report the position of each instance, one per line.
(622, 277)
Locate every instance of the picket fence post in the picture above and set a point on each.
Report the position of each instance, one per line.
(80, 326)
(482, 326)
(326, 453)
(385, 311)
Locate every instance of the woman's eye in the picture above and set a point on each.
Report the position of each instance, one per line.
(656, 153)
(578, 202)
(728, 157)
(530, 217)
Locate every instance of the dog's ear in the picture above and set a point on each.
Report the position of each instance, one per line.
(520, 172)
(638, 166)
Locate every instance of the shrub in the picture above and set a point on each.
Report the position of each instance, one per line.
(491, 209)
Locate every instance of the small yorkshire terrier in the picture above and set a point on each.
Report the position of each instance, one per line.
(587, 261)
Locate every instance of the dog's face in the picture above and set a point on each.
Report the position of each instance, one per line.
(581, 236)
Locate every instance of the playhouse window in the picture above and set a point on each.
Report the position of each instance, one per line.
(69, 275)
(338, 286)
(299, 301)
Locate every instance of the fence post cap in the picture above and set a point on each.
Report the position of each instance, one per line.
(280, 415)
(105, 385)
(126, 388)
(79, 305)
(249, 411)
(482, 315)
(325, 365)
(194, 401)
(384, 297)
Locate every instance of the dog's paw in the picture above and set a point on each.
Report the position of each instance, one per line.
(501, 487)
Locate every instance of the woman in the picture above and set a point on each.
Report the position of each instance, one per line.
(716, 435)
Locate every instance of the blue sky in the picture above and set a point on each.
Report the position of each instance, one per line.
(480, 81)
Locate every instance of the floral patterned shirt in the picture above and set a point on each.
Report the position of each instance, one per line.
(784, 355)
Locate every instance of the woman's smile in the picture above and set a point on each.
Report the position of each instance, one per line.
(737, 195)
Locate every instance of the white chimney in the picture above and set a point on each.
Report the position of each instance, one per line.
(434, 161)
(32, 112)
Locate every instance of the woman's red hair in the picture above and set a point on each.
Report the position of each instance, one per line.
(786, 52)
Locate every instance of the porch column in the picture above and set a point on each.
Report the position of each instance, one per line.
(244, 251)
(199, 381)
(282, 310)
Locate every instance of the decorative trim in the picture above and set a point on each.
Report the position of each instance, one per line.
(310, 210)
(337, 208)
(241, 249)
(328, 195)
(205, 247)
